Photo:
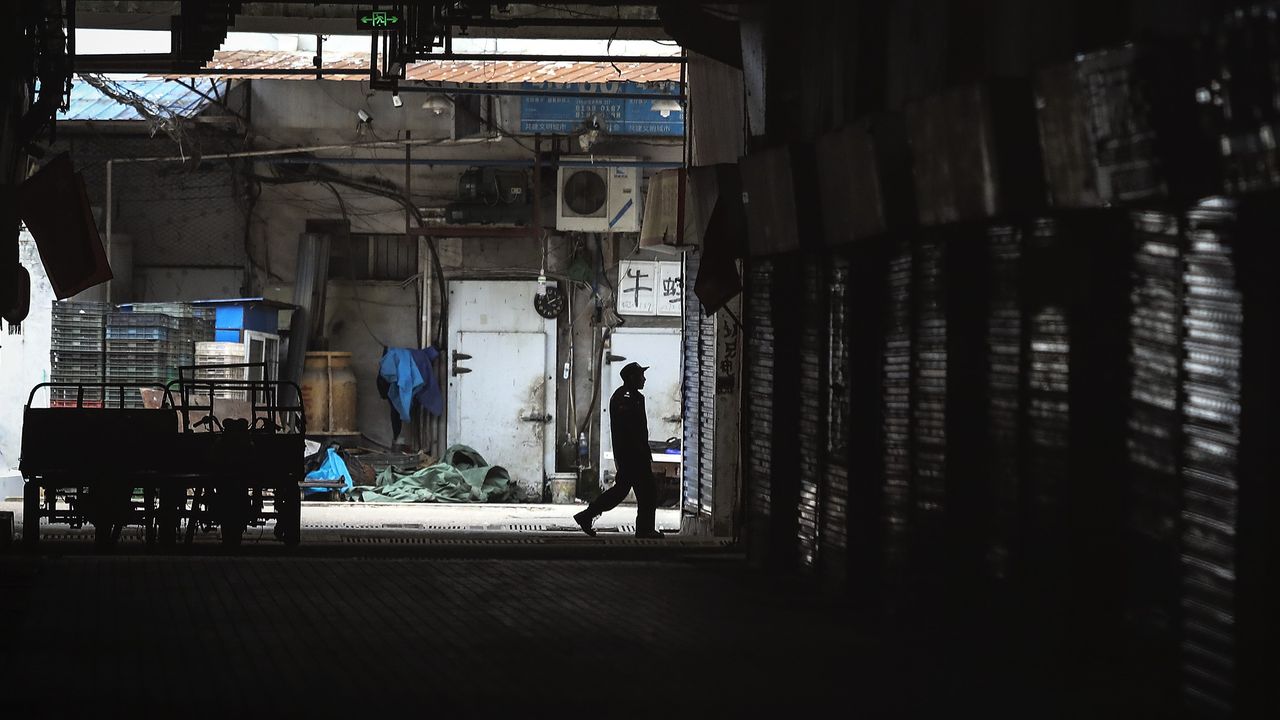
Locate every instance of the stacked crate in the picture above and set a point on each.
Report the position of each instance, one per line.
(76, 351)
(1153, 440)
(144, 347)
(221, 353)
(194, 325)
(1213, 324)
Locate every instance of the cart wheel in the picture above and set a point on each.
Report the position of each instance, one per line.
(31, 514)
(288, 505)
(102, 535)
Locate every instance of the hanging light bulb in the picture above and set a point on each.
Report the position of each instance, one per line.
(437, 104)
(666, 106)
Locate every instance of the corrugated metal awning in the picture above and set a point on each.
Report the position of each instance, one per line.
(88, 103)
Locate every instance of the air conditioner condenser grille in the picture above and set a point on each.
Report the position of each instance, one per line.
(585, 193)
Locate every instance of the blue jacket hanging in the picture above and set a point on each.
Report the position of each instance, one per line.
(402, 374)
(429, 395)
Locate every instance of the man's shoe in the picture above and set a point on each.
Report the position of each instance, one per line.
(584, 522)
(650, 535)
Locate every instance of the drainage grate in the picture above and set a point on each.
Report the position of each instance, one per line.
(520, 528)
(346, 526)
(403, 526)
(419, 540)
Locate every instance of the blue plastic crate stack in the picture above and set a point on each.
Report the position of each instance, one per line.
(76, 349)
(195, 324)
(151, 341)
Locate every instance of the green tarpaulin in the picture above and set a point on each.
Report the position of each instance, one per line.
(462, 476)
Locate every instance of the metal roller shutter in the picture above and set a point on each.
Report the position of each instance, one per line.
(759, 402)
(896, 372)
(929, 407)
(1004, 335)
(699, 344)
(1210, 474)
(693, 448)
(835, 501)
(1048, 417)
(812, 401)
(706, 399)
(1153, 442)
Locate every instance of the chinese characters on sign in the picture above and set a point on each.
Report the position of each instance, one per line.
(727, 369)
(637, 282)
(650, 288)
(671, 289)
(620, 116)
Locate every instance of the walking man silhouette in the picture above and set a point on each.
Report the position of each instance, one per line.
(630, 432)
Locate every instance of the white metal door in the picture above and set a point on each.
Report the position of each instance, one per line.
(501, 388)
(658, 348)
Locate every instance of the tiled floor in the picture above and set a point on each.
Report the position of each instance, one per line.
(273, 633)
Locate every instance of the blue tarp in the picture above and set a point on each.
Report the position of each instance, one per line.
(333, 469)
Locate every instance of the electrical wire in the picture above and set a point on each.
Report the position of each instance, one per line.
(389, 192)
(351, 268)
(502, 131)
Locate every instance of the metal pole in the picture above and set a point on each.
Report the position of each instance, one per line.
(296, 150)
(474, 161)
(108, 213)
(531, 92)
(408, 195)
(537, 184)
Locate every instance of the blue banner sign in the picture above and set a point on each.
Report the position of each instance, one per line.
(621, 116)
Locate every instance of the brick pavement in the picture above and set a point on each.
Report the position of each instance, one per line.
(419, 634)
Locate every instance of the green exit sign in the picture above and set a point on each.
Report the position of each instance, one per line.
(377, 20)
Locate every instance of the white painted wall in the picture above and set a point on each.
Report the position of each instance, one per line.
(24, 359)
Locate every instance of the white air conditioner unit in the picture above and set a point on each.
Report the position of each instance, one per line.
(593, 196)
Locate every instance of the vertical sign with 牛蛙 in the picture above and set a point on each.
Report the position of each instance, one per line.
(650, 288)
(670, 289)
(637, 288)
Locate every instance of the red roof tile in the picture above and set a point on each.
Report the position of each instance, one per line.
(458, 71)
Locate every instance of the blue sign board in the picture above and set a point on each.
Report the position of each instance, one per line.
(621, 116)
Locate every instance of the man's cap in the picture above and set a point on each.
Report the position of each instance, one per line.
(633, 368)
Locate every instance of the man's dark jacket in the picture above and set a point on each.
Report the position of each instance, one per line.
(630, 430)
